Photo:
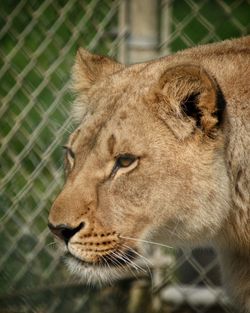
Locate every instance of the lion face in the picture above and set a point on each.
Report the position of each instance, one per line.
(145, 163)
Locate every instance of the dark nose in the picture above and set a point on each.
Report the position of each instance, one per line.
(65, 232)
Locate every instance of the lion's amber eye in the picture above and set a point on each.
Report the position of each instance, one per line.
(125, 160)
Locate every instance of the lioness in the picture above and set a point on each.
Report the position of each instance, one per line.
(162, 153)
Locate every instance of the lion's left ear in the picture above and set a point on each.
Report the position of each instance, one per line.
(89, 68)
(87, 71)
(186, 98)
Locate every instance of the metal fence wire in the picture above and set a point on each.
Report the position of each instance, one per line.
(38, 42)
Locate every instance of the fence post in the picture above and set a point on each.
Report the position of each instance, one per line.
(140, 18)
(123, 30)
(164, 22)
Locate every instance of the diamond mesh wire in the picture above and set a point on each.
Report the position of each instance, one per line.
(38, 41)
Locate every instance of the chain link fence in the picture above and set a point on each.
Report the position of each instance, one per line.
(38, 41)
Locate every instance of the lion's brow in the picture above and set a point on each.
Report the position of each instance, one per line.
(111, 144)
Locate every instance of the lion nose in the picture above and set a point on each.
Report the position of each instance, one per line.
(65, 232)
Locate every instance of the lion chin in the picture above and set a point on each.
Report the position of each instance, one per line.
(99, 274)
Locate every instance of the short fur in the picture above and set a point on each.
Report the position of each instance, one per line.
(186, 118)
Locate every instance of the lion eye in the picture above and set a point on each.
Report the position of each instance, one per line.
(125, 160)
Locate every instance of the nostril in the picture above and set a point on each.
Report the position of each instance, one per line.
(65, 232)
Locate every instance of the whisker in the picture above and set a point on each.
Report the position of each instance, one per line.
(107, 266)
(137, 253)
(120, 265)
(145, 260)
(117, 255)
(131, 262)
(105, 261)
(113, 258)
(146, 241)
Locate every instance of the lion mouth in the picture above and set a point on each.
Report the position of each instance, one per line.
(105, 269)
(113, 259)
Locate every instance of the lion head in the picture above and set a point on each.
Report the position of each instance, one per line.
(146, 162)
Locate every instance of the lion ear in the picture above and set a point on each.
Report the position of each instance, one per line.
(89, 68)
(187, 99)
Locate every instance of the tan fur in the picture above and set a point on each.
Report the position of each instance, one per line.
(187, 119)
